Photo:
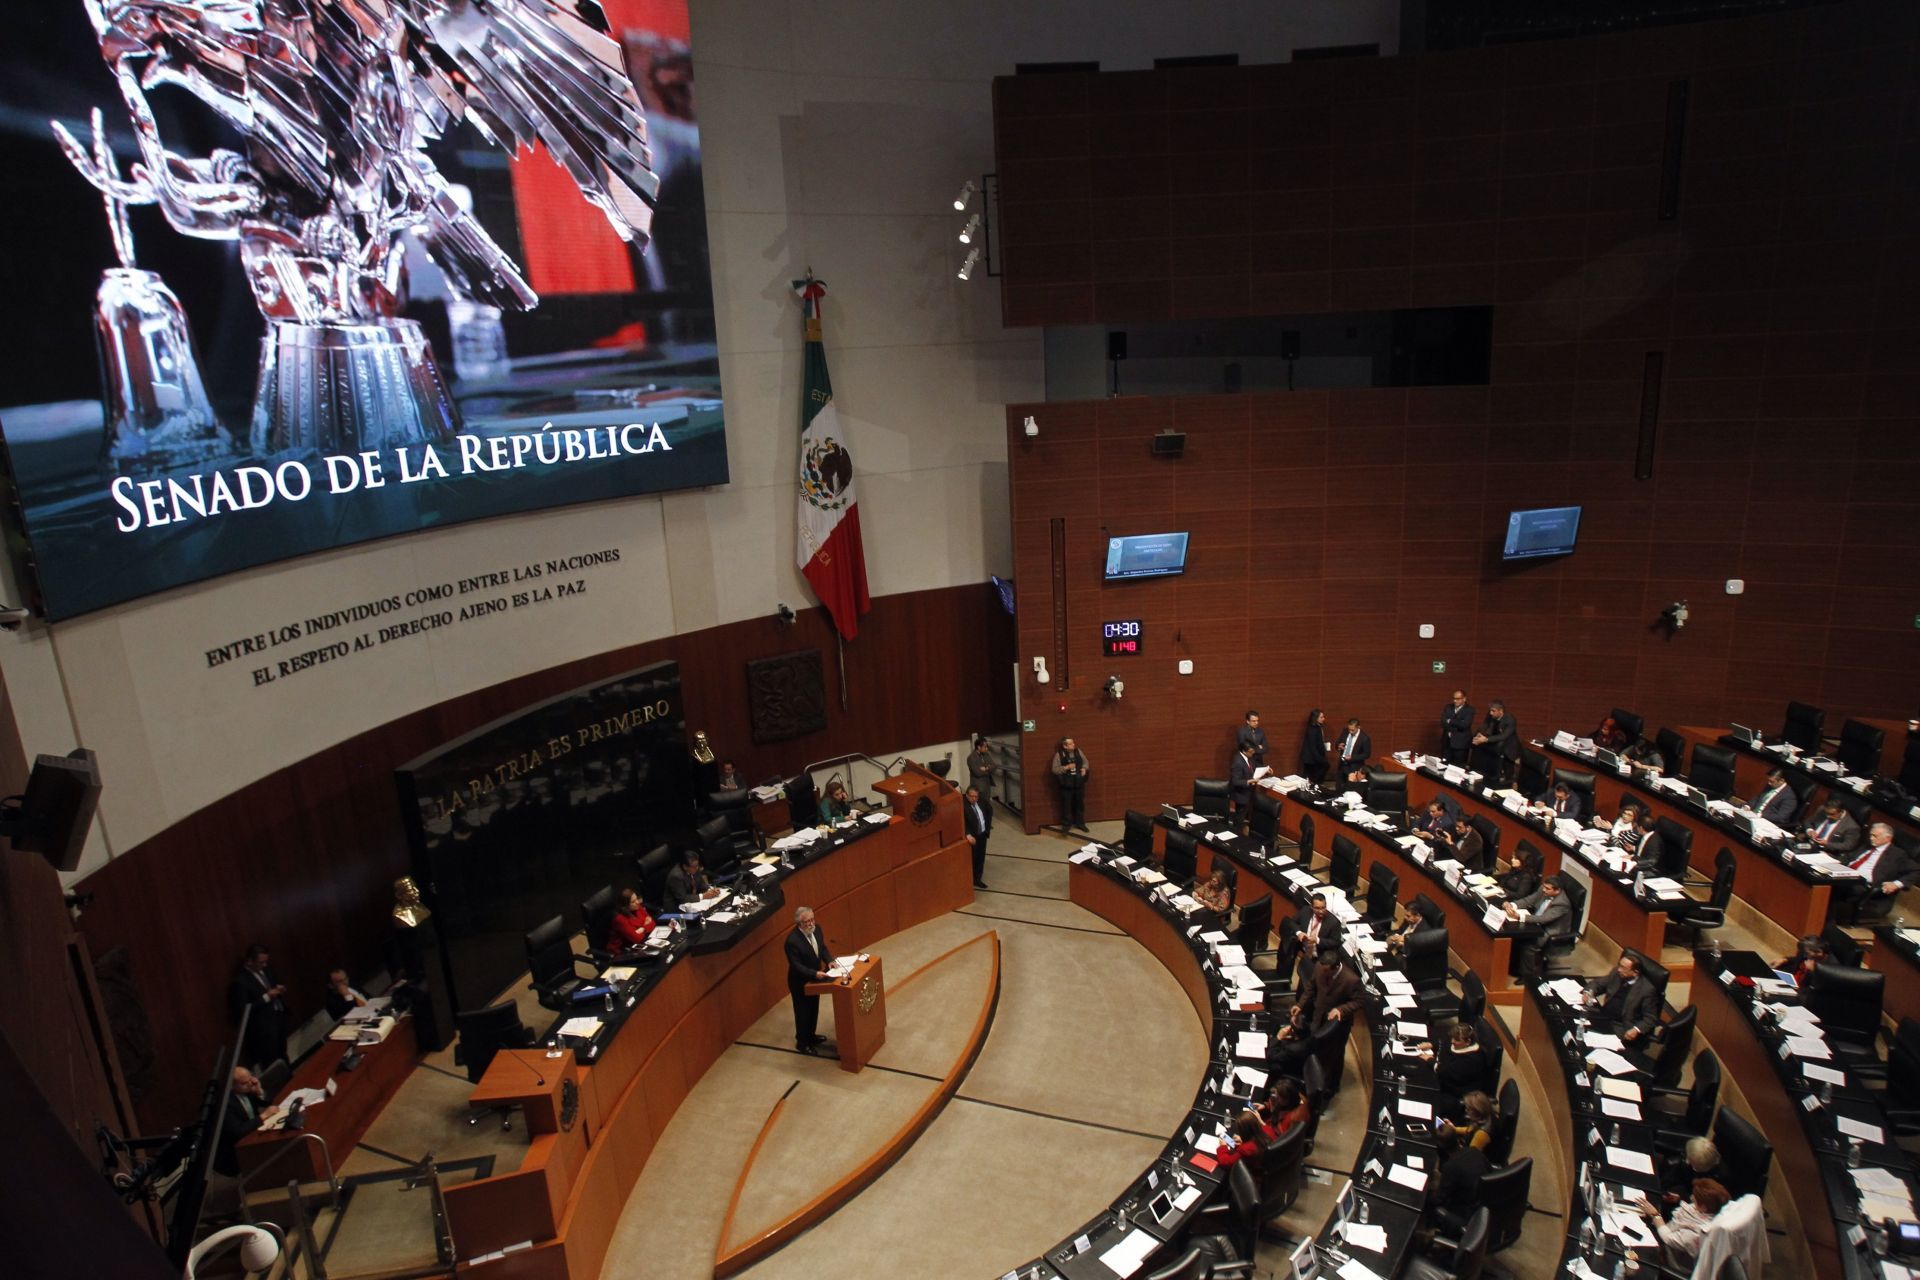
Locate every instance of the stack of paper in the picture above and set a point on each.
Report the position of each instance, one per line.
(1567, 990)
(1367, 1235)
(1251, 1044)
(1130, 1254)
(1612, 1063)
(583, 1028)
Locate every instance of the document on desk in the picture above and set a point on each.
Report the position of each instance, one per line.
(1130, 1254)
(1370, 1236)
(582, 1028)
(1415, 1110)
(620, 973)
(1395, 980)
(1610, 1062)
(1619, 1110)
(1410, 842)
(1300, 879)
(1567, 990)
(1251, 1044)
(1859, 1129)
(1082, 858)
(1805, 1047)
(1354, 1269)
(1411, 1179)
(1611, 1088)
(1185, 1200)
(1402, 1000)
(1822, 1075)
(1604, 1040)
(1624, 1224)
(1192, 819)
(307, 1098)
(1230, 953)
(1251, 1077)
(1637, 1161)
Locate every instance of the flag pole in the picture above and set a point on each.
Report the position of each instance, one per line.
(841, 641)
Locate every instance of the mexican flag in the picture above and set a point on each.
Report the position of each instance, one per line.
(828, 551)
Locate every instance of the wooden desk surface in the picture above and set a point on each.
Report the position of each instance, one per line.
(343, 1119)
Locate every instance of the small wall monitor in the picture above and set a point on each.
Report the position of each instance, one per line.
(1544, 531)
(1146, 555)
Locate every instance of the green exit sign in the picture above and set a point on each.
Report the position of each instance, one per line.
(1439, 668)
(1026, 726)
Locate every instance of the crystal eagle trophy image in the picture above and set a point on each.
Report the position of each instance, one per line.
(336, 101)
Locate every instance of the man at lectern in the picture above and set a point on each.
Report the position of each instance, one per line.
(808, 960)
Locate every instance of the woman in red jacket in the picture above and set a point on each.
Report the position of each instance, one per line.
(631, 923)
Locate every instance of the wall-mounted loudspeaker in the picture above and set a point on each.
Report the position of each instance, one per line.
(1116, 344)
(1169, 444)
(53, 817)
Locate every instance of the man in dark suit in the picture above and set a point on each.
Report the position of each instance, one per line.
(246, 1111)
(1501, 737)
(978, 816)
(1070, 769)
(1310, 929)
(1240, 782)
(1648, 848)
(1835, 830)
(1354, 750)
(255, 988)
(1887, 869)
(1437, 821)
(1548, 916)
(687, 882)
(1561, 802)
(1330, 993)
(1252, 735)
(1626, 1000)
(808, 960)
(1469, 847)
(1456, 728)
(1776, 802)
(1455, 1194)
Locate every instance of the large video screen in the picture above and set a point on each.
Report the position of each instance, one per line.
(282, 278)
(1543, 531)
(522, 819)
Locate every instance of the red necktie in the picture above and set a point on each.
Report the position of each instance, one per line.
(1860, 863)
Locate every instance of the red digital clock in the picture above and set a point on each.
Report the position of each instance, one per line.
(1118, 639)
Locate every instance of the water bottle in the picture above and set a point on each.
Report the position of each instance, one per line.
(479, 340)
(1400, 1084)
(1639, 882)
(608, 1002)
(1826, 1093)
(1716, 948)
(1853, 1153)
(1363, 1211)
(1613, 1136)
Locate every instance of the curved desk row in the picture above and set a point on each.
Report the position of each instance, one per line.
(1485, 950)
(1110, 891)
(1612, 905)
(1808, 1145)
(1792, 895)
(1750, 765)
(553, 1218)
(1894, 952)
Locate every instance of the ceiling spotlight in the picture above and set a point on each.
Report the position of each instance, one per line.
(966, 194)
(970, 230)
(966, 268)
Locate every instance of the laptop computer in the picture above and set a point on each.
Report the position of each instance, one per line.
(1742, 735)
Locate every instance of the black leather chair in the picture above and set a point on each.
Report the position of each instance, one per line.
(1503, 1197)
(1473, 997)
(552, 964)
(1535, 774)
(1210, 797)
(1842, 947)
(1425, 960)
(274, 1077)
(1489, 840)
(1630, 723)
(1428, 910)
(1506, 1125)
(1802, 785)
(1910, 764)
(1745, 1154)
(1283, 1173)
(1383, 894)
(652, 869)
(1805, 726)
(1343, 871)
(1671, 1050)
(1227, 1231)
(596, 916)
(722, 848)
(1848, 1002)
(1386, 792)
(1651, 969)
(1712, 769)
(803, 801)
(1676, 848)
(1306, 840)
(1256, 927)
(1191, 1265)
(1711, 914)
(1689, 1109)
(1263, 818)
(1673, 750)
(1136, 835)
(483, 1033)
(1860, 747)
(1465, 1259)
(1181, 863)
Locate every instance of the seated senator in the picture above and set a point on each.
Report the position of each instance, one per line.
(836, 804)
(631, 924)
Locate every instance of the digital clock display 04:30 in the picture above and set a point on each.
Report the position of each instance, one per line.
(1119, 638)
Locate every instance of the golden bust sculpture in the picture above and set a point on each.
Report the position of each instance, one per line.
(407, 907)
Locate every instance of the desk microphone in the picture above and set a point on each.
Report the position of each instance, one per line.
(528, 1066)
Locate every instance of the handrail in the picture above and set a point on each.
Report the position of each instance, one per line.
(326, 1157)
(886, 770)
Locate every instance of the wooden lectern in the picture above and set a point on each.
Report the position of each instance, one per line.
(547, 1090)
(859, 1012)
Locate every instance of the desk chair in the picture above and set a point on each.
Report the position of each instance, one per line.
(1191, 1265)
(1181, 861)
(1745, 1154)
(1848, 1002)
(1473, 998)
(1313, 1083)
(1805, 726)
(1210, 797)
(1910, 765)
(1580, 782)
(1670, 1052)
(1283, 1173)
(552, 964)
(1263, 819)
(1386, 793)
(803, 801)
(652, 869)
(1860, 747)
(1343, 866)
(1465, 1260)
(1630, 723)
(1676, 848)
(1695, 1116)
(1562, 948)
(1503, 1198)
(1842, 947)
(1425, 960)
(721, 848)
(1228, 1230)
(1136, 839)
(1506, 1125)
(483, 1033)
(274, 1077)
(1673, 750)
(1712, 770)
(1383, 895)
(1535, 772)
(1489, 841)
(596, 914)
(1697, 917)
(1902, 1096)
(1306, 841)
